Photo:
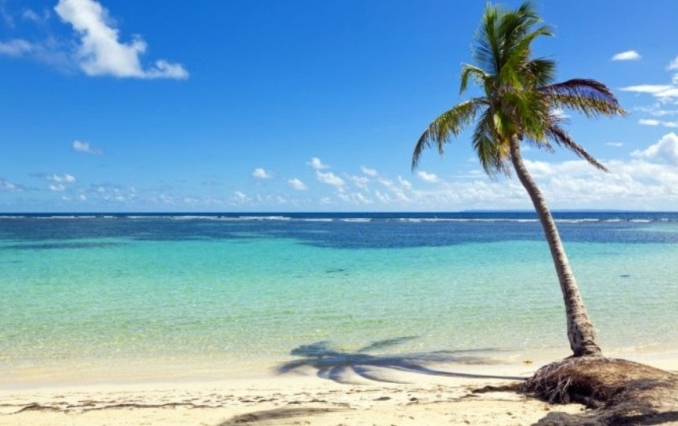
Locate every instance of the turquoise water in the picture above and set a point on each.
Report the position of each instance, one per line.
(245, 292)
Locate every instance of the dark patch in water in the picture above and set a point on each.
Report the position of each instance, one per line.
(625, 275)
(335, 270)
(58, 246)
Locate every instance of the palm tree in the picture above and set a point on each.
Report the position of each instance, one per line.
(521, 104)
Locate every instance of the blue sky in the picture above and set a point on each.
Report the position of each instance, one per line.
(305, 105)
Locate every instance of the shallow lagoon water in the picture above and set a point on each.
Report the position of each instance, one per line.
(243, 291)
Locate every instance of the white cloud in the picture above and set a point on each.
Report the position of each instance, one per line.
(316, 164)
(59, 187)
(428, 177)
(614, 144)
(653, 89)
(664, 151)
(16, 47)
(368, 171)
(260, 173)
(405, 184)
(297, 184)
(61, 179)
(80, 146)
(29, 15)
(648, 122)
(240, 197)
(361, 182)
(49, 52)
(673, 65)
(560, 114)
(330, 178)
(7, 186)
(355, 198)
(101, 53)
(629, 55)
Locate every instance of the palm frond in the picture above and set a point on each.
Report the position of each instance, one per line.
(589, 97)
(542, 71)
(446, 126)
(470, 71)
(562, 138)
(491, 153)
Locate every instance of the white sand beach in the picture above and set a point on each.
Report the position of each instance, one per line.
(301, 398)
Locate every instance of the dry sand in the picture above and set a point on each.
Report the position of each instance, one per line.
(291, 399)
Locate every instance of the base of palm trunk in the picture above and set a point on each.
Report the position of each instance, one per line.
(619, 391)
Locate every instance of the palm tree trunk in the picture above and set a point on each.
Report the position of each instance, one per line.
(579, 328)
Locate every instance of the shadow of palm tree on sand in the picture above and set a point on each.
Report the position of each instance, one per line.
(346, 366)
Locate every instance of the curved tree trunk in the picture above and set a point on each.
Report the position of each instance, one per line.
(579, 328)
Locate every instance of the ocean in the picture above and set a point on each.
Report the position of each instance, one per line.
(150, 296)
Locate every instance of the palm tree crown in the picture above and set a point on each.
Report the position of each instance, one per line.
(520, 99)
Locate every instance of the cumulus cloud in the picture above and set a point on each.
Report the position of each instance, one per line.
(664, 151)
(100, 52)
(85, 147)
(648, 122)
(297, 184)
(61, 179)
(629, 55)
(673, 65)
(330, 178)
(260, 173)
(428, 177)
(316, 164)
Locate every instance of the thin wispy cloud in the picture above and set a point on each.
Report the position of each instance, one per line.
(16, 48)
(629, 55)
(368, 171)
(32, 16)
(658, 90)
(239, 197)
(654, 122)
(673, 65)
(7, 186)
(100, 52)
(85, 147)
(361, 182)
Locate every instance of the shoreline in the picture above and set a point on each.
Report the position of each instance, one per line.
(131, 371)
(385, 396)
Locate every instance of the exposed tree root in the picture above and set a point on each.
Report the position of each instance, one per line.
(620, 392)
